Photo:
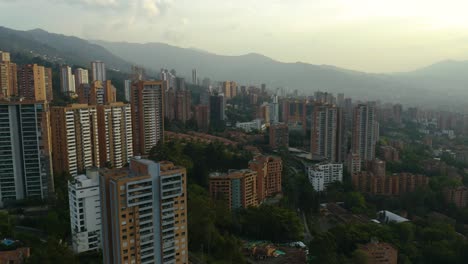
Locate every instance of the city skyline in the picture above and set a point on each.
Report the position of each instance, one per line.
(371, 36)
(186, 173)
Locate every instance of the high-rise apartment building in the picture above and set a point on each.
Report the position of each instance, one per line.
(67, 80)
(274, 110)
(397, 111)
(99, 71)
(8, 80)
(263, 112)
(279, 135)
(205, 97)
(217, 106)
(127, 90)
(170, 104)
(348, 113)
(85, 211)
(4, 56)
(253, 98)
(269, 169)
(202, 116)
(180, 84)
(92, 94)
(25, 151)
(324, 97)
(168, 77)
(229, 89)
(238, 188)
(138, 73)
(325, 135)
(194, 76)
(183, 102)
(110, 92)
(148, 115)
(115, 134)
(31, 82)
(144, 213)
(353, 163)
(81, 77)
(178, 102)
(48, 84)
(75, 134)
(322, 174)
(97, 93)
(364, 131)
(340, 101)
(294, 112)
(263, 88)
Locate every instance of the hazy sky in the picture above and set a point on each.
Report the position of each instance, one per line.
(369, 35)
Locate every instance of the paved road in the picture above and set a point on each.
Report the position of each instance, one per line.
(307, 235)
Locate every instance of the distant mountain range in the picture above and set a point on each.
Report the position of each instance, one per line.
(441, 84)
(58, 48)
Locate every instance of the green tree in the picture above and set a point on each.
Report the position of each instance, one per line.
(270, 223)
(6, 225)
(359, 257)
(208, 225)
(355, 202)
(54, 251)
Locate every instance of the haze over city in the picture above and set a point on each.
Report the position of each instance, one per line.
(233, 132)
(364, 35)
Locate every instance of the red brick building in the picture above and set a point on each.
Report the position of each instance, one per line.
(457, 195)
(395, 184)
(202, 116)
(269, 171)
(380, 253)
(17, 256)
(237, 188)
(389, 153)
(279, 135)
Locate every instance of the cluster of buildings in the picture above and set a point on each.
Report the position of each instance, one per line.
(25, 131)
(278, 135)
(322, 174)
(105, 132)
(178, 100)
(343, 134)
(248, 187)
(328, 123)
(439, 120)
(29, 81)
(13, 252)
(389, 153)
(337, 132)
(131, 208)
(457, 195)
(210, 111)
(375, 180)
(136, 214)
(74, 82)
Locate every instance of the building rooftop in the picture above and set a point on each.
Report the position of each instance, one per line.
(231, 174)
(388, 216)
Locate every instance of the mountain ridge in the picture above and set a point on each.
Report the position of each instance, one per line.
(428, 85)
(58, 48)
